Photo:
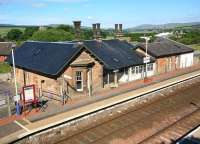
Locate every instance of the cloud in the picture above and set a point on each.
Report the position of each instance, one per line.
(66, 9)
(89, 17)
(39, 5)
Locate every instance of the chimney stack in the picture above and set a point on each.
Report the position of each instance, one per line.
(118, 30)
(77, 26)
(98, 30)
(94, 28)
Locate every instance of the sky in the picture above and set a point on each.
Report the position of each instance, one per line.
(108, 12)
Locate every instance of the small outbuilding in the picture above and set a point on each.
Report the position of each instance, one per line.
(5, 49)
(169, 55)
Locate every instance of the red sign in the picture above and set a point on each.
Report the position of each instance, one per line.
(29, 93)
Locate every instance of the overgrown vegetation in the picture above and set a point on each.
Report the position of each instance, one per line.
(52, 35)
(188, 37)
(195, 46)
(4, 68)
(58, 33)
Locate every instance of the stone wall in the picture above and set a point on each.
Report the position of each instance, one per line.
(54, 85)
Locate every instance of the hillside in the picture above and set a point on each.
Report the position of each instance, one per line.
(162, 26)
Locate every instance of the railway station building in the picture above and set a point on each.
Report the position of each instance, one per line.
(84, 67)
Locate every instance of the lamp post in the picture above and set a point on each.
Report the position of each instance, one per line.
(15, 81)
(146, 59)
(13, 61)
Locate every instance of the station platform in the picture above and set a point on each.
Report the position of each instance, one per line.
(83, 110)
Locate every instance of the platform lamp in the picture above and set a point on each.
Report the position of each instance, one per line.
(147, 58)
(16, 97)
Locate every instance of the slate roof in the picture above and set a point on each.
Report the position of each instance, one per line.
(5, 48)
(166, 47)
(114, 54)
(51, 58)
(43, 57)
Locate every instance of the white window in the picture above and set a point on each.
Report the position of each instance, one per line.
(150, 67)
(79, 81)
(137, 69)
(126, 71)
(133, 70)
(141, 69)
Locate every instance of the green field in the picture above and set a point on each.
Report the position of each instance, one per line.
(4, 68)
(195, 46)
(5, 30)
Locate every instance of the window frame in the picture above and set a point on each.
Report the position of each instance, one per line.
(79, 78)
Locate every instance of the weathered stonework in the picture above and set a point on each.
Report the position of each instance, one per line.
(54, 85)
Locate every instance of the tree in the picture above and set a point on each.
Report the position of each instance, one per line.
(1, 39)
(86, 34)
(14, 34)
(66, 28)
(52, 35)
(28, 32)
(188, 38)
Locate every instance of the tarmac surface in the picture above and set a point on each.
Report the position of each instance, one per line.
(9, 128)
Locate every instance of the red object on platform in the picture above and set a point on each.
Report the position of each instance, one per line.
(147, 80)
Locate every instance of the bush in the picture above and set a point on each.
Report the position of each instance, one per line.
(29, 31)
(52, 35)
(14, 34)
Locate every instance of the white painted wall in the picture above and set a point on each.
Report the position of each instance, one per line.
(135, 74)
(186, 60)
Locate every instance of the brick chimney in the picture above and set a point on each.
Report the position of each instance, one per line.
(77, 26)
(98, 30)
(94, 28)
(118, 30)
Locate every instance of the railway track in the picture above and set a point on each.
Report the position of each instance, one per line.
(173, 132)
(163, 121)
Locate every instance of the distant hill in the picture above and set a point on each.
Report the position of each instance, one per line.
(6, 25)
(162, 26)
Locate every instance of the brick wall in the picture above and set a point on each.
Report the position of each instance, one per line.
(166, 64)
(2, 58)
